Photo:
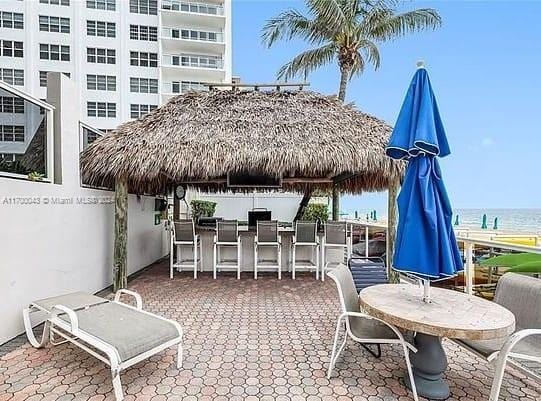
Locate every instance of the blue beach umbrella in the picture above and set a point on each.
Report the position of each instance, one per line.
(425, 241)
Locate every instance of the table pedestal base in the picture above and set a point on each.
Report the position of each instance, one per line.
(429, 364)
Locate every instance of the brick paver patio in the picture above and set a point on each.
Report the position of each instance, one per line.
(244, 340)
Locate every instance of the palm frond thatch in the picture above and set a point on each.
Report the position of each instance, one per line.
(202, 136)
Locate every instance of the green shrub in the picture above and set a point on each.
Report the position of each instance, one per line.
(315, 211)
(201, 208)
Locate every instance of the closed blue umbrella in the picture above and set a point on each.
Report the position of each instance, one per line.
(425, 241)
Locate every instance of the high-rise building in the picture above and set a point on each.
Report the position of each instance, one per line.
(128, 56)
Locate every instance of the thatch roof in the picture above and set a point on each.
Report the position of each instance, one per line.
(199, 137)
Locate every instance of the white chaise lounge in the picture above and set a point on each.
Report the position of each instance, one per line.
(116, 333)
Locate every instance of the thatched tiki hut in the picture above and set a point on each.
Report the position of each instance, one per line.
(310, 140)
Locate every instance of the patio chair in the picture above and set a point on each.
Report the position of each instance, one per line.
(360, 327)
(305, 237)
(267, 237)
(227, 236)
(522, 296)
(116, 333)
(367, 271)
(335, 236)
(183, 236)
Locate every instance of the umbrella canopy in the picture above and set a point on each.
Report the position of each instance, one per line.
(425, 242)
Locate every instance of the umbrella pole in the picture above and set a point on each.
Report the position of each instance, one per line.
(426, 291)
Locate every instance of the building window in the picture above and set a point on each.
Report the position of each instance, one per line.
(144, 7)
(139, 110)
(194, 60)
(101, 82)
(188, 86)
(12, 133)
(54, 24)
(101, 109)
(11, 20)
(43, 77)
(54, 52)
(143, 85)
(143, 32)
(10, 104)
(109, 5)
(100, 56)
(12, 48)
(56, 2)
(195, 35)
(12, 76)
(101, 28)
(144, 59)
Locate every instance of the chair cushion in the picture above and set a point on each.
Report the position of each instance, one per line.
(74, 300)
(529, 346)
(130, 331)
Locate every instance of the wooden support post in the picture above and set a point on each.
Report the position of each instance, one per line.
(120, 262)
(335, 203)
(392, 213)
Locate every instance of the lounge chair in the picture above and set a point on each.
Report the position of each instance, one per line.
(116, 333)
(360, 327)
(522, 296)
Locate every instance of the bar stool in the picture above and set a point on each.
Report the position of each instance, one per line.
(227, 236)
(267, 237)
(183, 236)
(335, 236)
(305, 237)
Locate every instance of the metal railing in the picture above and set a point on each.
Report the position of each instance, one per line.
(179, 87)
(192, 7)
(192, 34)
(192, 60)
(469, 243)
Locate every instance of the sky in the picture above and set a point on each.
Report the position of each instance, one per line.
(485, 67)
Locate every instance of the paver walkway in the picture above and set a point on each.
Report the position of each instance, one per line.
(244, 340)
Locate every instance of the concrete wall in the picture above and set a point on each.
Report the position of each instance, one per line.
(64, 243)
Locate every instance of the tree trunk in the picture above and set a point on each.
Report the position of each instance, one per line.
(302, 206)
(344, 77)
(391, 231)
(120, 266)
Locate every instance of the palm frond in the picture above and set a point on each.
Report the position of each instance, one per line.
(289, 24)
(370, 51)
(389, 25)
(328, 13)
(306, 62)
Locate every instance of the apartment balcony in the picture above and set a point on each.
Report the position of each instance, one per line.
(192, 7)
(192, 40)
(185, 12)
(173, 88)
(194, 66)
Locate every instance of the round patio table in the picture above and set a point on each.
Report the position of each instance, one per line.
(451, 314)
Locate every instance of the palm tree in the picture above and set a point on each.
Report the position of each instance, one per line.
(346, 32)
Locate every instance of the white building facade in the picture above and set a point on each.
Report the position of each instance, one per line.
(126, 56)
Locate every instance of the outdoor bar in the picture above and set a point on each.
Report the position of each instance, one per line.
(301, 141)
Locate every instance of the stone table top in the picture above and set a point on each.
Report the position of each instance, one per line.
(451, 314)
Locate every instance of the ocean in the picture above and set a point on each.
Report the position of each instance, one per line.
(526, 221)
